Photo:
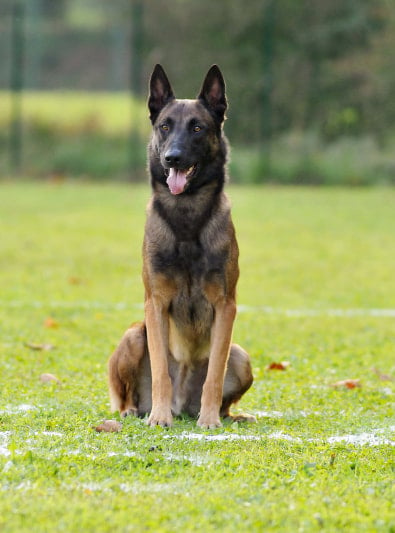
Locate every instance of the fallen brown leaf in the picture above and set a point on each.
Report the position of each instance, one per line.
(278, 366)
(75, 280)
(109, 426)
(38, 346)
(50, 322)
(347, 383)
(48, 378)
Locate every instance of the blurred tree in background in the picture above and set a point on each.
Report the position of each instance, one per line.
(309, 69)
(319, 58)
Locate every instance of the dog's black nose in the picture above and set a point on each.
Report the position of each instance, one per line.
(173, 157)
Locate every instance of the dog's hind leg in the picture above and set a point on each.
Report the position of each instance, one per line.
(238, 379)
(124, 370)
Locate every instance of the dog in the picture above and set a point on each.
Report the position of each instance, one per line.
(181, 359)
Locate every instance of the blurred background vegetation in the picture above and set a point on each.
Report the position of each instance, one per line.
(311, 85)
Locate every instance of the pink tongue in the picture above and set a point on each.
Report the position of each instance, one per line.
(177, 180)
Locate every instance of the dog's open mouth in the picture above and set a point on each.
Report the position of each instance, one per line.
(178, 178)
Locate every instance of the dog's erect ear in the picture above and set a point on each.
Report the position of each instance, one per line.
(213, 93)
(160, 94)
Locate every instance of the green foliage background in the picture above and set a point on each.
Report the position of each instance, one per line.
(311, 85)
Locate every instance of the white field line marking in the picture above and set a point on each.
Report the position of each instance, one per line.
(267, 310)
(4, 436)
(303, 413)
(370, 439)
(173, 488)
(153, 487)
(220, 437)
(342, 313)
(62, 304)
(269, 414)
(363, 438)
(16, 409)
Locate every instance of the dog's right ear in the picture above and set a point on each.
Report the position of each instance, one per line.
(161, 92)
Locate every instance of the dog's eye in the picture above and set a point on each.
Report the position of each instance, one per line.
(197, 128)
(164, 127)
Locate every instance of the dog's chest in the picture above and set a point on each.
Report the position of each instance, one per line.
(190, 267)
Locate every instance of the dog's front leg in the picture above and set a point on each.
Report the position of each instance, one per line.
(225, 312)
(157, 335)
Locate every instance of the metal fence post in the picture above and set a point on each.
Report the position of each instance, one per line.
(136, 45)
(267, 61)
(16, 75)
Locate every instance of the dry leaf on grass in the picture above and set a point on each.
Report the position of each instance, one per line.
(347, 383)
(283, 365)
(49, 378)
(109, 426)
(39, 346)
(75, 280)
(50, 322)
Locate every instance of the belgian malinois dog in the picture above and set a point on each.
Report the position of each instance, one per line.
(181, 359)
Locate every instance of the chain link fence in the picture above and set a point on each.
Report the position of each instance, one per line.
(310, 84)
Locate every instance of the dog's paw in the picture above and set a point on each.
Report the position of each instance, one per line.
(160, 417)
(133, 411)
(209, 422)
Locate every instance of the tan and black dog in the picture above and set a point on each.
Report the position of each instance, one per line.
(181, 359)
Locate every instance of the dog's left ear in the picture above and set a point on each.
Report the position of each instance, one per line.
(213, 93)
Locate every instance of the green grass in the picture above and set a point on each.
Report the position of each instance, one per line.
(315, 264)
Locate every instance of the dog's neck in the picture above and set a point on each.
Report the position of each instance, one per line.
(186, 214)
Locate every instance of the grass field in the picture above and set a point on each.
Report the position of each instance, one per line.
(317, 290)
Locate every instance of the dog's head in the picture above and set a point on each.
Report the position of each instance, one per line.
(188, 147)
